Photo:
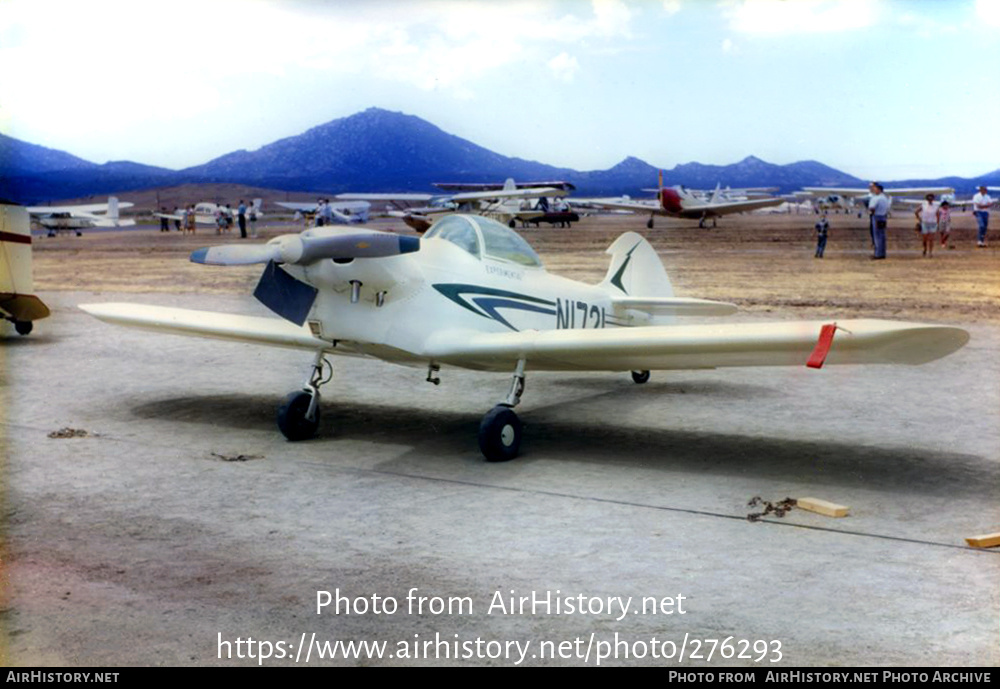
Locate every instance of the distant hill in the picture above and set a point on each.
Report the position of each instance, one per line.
(380, 150)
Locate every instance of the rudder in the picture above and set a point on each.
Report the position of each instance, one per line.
(636, 269)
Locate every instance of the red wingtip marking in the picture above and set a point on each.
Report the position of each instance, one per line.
(818, 356)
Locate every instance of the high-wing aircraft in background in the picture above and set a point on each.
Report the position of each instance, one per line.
(471, 293)
(510, 202)
(206, 212)
(849, 199)
(18, 304)
(678, 202)
(57, 219)
(343, 212)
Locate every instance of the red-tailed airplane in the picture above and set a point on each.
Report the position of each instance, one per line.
(678, 202)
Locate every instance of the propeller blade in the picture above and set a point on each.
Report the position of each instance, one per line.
(236, 254)
(306, 248)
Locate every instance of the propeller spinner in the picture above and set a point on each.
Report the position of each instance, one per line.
(306, 248)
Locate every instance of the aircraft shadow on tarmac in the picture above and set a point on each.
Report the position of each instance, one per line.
(442, 438)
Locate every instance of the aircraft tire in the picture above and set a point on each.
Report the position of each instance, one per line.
(292, 420)
(500, 434)
(640, 377)
(23, 327)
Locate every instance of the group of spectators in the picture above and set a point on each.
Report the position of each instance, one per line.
(224, 219)
(933, 219)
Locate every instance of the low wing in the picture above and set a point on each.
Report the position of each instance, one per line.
(224, 326)
(728, 207)
(697, 346)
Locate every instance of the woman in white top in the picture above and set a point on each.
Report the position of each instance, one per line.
(927, 214)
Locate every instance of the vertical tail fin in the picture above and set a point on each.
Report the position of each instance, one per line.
(510, 185)
(112, 208)
(636, 269)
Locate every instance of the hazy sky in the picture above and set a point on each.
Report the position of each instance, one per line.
(882, 89)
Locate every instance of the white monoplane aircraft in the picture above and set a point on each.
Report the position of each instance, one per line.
(509, 203)
(343, 212)
(76, 218)
(17, 303)
(847, 198)
(207, 212)
(471, 293)
(678, 202)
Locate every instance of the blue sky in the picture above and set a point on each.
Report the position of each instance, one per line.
(882, 89)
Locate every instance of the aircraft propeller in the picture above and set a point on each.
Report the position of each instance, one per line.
(306, 248)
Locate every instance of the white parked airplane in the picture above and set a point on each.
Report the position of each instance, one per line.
(678, 202)
(848, 198)
(509, 203)
(343, 212)
(76, 218)
(18, 304)
(471, 293)
(206, 212)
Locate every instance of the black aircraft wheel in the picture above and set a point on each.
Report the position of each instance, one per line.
(79, 234)
(500, 434)
(512, 224)
(640, 377)
(23, 327)
(649, 224)
(292, 420)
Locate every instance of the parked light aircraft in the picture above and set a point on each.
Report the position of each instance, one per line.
(57, 219)
(471, 293)
(206, 212)
(344, 212)
(678, 202)
(847, 198)
(17, 303)
(508, 203)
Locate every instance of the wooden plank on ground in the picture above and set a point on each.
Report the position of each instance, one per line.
(828, 509)
(989, 540)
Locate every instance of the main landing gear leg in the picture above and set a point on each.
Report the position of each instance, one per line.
(500, 429)
(298, 417)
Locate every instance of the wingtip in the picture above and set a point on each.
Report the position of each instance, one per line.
(199, 256)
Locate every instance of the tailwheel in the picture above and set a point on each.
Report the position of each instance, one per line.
(640, 377)
(294, 419)
(500, 434)
(23, 327)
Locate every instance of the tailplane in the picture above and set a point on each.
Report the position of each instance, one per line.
(635, 270)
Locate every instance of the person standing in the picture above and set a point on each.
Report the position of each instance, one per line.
(241, 218)
(927, 214)
(189, 219)
(253, 222)
(878, 210)
(981, 203)
(822, 230)
(164, 220)
(944, 223)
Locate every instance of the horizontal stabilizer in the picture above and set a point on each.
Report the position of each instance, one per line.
(698, 346)
(223, 326)
(675, 306)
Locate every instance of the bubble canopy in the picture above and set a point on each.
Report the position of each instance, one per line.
(482, 236)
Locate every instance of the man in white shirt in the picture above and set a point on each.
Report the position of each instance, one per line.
(878, 209)
(981, 203)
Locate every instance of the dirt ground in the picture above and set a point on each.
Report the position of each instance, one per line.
(178, 520)
(763, 263)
